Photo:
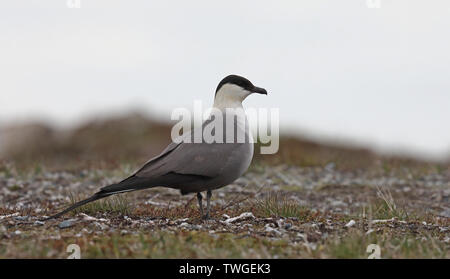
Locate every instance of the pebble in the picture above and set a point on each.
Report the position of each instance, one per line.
(244, 215)
(330, 166)
(350, 224)
(445, 213)
(101, 226)
(9, 215)
(66, 224)
(197, 227)
(21, 218)
(268, 228)
(181, 220)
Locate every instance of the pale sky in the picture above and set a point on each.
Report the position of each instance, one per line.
(335, 69)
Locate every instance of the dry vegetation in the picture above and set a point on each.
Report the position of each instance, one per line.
(308, 201)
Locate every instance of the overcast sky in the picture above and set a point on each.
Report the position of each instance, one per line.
(336, 69)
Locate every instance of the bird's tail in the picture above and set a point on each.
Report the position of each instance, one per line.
(94, 197)
(127, 185)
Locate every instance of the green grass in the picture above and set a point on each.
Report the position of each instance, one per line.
(194, 244)
(381, 210)
(155, 244)
(408, 246)
(276, 204)
(115, 204)
(386, 208)
(5, 170)
(14, 188)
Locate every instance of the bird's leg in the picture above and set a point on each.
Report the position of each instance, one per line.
(208, 199)
(199, 198)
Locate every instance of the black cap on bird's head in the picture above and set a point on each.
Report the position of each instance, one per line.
(242, 82)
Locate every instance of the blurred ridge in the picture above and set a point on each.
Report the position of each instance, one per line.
(134, 139)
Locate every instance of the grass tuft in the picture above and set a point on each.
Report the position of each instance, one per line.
(386, 207)
(277, 204)
(115, 204)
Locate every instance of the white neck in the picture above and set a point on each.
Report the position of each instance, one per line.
(229, 96)
(223, 103)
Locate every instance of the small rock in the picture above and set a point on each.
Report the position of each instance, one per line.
(154, 203)
(302, 236)
(445, 213)
(66, 224)
(350, 224)
(269, 229)
(101, 226)
(383, 220)
(181, 220)
(244, 215)
(21, 218)
(184, 225)
(90, 218)
(337, 203)
(197, 227)
(280, 223)
(330, 166)
(8, 215)
(309, 245)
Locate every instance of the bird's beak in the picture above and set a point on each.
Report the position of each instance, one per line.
(259, 90)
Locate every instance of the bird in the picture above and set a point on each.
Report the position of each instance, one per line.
(195, 167)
